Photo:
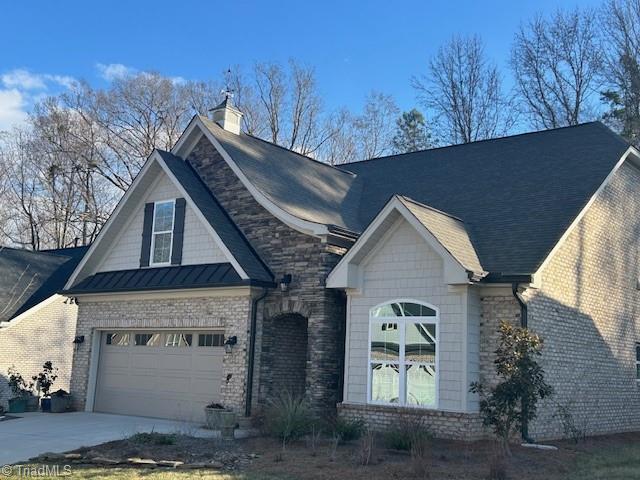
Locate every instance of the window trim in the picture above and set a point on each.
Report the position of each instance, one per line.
(435, 320)
(154, 233)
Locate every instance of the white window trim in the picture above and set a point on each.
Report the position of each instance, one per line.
(154, 233)
(401, 362)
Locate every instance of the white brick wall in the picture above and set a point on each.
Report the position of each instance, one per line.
(198, 246)
(404, 266)
(46, 334)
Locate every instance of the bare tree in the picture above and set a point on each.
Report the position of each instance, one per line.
(375, 127)
(342, 146)
(621, 22)
(464, 92)
(556, 64)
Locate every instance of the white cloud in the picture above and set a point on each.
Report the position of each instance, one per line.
(113, 71)
(25, 80)
(12, 108)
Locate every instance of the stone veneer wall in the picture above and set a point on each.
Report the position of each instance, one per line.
(448, 425)
(289, 362)
(285, 251)
(232, 313)
(45, 334)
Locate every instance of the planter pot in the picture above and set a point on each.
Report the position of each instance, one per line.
(60, 403)
(45, 404)
(214, 417)
(32, 403)
(17, 405)
(228, 421)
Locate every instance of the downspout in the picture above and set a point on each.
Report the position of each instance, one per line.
(252, 350)
(523, 323)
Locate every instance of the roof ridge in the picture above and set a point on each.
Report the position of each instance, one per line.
(495, 139)
(333, 167)
(429, 207)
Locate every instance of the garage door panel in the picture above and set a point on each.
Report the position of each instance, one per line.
(159, 381)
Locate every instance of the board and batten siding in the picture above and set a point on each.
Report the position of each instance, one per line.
(198, 244)
(404, 266)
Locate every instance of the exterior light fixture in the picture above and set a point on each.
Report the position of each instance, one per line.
(229, 343)
(78, 340)
(285, 281)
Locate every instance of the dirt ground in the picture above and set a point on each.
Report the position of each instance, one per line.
(444, 460)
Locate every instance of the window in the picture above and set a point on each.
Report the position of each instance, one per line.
(403, 354)
(178, 340)
(147, 339)
(162, 235)
(119, 339)
(638, 362)
(210, 340)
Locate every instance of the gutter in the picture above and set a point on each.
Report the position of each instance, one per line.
(523, 323)
(252, 350)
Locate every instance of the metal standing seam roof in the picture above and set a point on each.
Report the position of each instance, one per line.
(516, 195)
(161, 278)
(28, 277)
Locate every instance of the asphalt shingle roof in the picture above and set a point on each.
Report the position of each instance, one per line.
(208, 205)
(516, 195)
(27, 277)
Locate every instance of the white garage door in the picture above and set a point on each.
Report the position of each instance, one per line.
(164, 374)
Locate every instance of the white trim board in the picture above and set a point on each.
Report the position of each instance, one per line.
(631, 154)
(184, 147)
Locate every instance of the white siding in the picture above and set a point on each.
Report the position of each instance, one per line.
(404, 266)
(198, 247)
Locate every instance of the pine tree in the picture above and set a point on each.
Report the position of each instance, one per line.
(412, 133)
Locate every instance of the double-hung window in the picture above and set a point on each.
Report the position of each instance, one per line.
(403, 365)
(162, 234)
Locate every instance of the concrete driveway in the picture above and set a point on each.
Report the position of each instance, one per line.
(37, 433)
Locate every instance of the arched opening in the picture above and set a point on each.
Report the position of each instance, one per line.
(288, 354)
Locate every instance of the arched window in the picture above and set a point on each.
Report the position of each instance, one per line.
(403, 354)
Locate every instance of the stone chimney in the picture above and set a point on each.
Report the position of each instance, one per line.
(227, 116)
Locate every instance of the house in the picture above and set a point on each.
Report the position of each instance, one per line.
(29, 307)
(233, 270)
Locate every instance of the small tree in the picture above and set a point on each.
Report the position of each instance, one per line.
(513, 401)
(45, 379)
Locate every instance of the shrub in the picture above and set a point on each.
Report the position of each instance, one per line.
(421, 460)
(17, 384)
(287, 417)
(512, 403)
(406, 432)
(570, 427)
(365, 446)
(348, 430)
(154, 438)
(46, 378)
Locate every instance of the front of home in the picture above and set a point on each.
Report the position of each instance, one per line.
(234, 270)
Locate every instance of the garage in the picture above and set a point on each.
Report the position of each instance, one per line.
(164, 374)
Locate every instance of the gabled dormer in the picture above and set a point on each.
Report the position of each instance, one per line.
(168, 219)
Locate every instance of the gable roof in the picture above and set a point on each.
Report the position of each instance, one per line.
(28, 278)
(516, 195)
(449, 231)
(217, 217)
(303, 187)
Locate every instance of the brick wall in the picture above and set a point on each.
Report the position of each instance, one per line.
(450, 425)
(231, 313)
(46, 334)
(286, 251)
(288, 354)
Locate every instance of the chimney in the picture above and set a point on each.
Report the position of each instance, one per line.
(227, 116)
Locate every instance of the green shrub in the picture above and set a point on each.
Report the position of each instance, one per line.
(406, 432)
(154, 438)
(287, 417)
(347, 430)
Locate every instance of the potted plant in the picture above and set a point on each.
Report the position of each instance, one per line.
(44, 381)
(228, 422)
(60, 401)
(19, 390)
(213, 415)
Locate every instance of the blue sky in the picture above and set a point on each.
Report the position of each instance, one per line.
(354, 46)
